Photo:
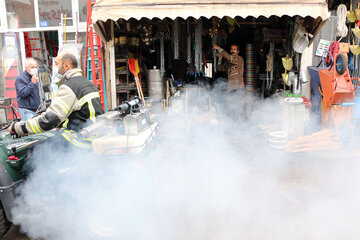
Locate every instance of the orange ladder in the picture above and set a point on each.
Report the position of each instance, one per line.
(28, 52)
(94, 57)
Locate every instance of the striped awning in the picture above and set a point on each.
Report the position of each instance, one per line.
(104, 10)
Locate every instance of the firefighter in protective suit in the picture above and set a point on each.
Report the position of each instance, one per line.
(76, 105)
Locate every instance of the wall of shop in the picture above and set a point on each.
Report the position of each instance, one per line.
(328, 32)
(44, 16)
(39, 29)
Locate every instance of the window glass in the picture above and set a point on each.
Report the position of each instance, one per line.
(81, 39)
(70, 37)
(82, 10)
(20, 13)
(50, 12)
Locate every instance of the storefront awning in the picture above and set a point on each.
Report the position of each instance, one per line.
(104, 10)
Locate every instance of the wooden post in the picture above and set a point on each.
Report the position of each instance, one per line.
(112, 67)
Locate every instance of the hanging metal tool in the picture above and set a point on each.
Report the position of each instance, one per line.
(198, 48)
(176, 38)
(214, 35)
(162, 57)
(269, 66)
(287, 63)
(215, 55)
(188, 41)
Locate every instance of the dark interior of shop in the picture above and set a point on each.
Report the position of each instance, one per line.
(142, 40)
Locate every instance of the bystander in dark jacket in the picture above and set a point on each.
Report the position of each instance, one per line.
(27, 90)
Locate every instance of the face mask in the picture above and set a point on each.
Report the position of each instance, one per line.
(57, 74)
(33, 71)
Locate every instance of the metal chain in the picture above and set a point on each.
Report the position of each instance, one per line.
(176, 38)
(198, 48)
(188, 41)
(162, 57)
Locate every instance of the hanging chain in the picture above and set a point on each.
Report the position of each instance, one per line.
(188, 41)
(198, 48)
(176, 38)
(162, 57)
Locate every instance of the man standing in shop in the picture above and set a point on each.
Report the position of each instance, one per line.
(235, 103)
(234, 67)
(27, 90)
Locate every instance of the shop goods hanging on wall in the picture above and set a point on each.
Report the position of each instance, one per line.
(295, 81)
(288, 65)
(162, 57)
(163, 31)
(351, 14)
(250, 79)
(301, 39)
(287, 62)
(232, 21)
(214, 31)
(357, 11)
(322, 47)
(198, 49)
(162, 34)
(188, 43)
(285, 77)
(341, 28)
(146, 35)
(176, 35)
(356, 32)
(269, 66)
(354, 48)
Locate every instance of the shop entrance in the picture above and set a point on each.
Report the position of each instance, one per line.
(181, 52)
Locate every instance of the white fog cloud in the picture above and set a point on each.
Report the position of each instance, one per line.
(204, 180)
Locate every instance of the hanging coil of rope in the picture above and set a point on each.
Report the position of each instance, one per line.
(341, 29)
(269, 62)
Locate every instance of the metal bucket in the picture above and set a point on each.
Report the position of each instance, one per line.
(278, 139)
(295, 116)
(156, 85)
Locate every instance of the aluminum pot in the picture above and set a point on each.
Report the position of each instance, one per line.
(156, 84)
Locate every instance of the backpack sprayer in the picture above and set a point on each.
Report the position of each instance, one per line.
(125, 129)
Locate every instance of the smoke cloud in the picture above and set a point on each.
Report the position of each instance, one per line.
(213, 174)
